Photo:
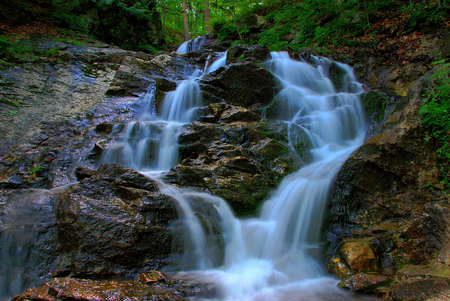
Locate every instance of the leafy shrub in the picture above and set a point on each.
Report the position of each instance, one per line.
(70, 21)
(226, 31)
(436, 115)
(5, 44)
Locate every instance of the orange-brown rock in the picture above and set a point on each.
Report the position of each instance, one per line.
(151, 277)
(359, 256)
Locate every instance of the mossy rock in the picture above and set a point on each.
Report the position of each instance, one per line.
(374, 104)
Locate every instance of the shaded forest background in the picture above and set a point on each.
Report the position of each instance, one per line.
(326, 25)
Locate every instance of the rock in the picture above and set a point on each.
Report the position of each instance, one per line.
(417, 289)
(239, 161)
(104, 127)
(383, 182)
(247, 85)
(162, 87)
(61, 289)
(217, 45)
(365, 283)
(258, 53)
(359, 256)
(162, 60)
(151, 277)
(339, 268)
(115, 25)
(374, 104)
(437, 232)
(115, 222)
(83, 172)
(233, 114)
(252, 23)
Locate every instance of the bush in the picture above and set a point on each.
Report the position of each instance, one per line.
(70, 21)
(5, 44)
(436, 115)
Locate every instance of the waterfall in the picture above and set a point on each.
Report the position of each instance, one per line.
(274, 256)
(192, 45)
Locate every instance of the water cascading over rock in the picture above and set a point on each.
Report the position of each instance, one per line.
(277, 253)
(273, 256)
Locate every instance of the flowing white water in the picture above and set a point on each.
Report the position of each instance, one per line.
(150, 146)
(192, 45)
(274, 257)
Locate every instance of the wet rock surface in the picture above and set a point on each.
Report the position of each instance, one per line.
(257, 53)
(109, 220)
(163, 287)
(240, 162)
(247, 85)
(114, 222)
(381, 196)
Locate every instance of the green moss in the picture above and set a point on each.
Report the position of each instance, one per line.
(374, 104)
(36, 170)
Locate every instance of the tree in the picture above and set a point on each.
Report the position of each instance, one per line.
(185, 22)
(207, 16)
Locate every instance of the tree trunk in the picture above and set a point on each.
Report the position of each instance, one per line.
(235, 22)
(207, 16)
(185, 22)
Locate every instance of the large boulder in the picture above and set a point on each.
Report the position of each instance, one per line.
(114, 222)
(247, 85)
(253, 22)
(257, 53)
(239, 161)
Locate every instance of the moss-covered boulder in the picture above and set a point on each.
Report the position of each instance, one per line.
(238, 161)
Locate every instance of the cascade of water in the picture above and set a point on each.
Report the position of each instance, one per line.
(220, 62)
(192, 45)
(273, 257)
(150, 145)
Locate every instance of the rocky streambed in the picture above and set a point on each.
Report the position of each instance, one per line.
(384, 233)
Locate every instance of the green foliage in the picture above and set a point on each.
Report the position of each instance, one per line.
(420, 14)
(13, 112)
(36, 170)
(225, 30)
(70, 21)
(5, 44)
(436, 115)
(147, 47)
(20, 50)
(314, 23)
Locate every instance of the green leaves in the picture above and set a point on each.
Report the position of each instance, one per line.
(435, 114)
